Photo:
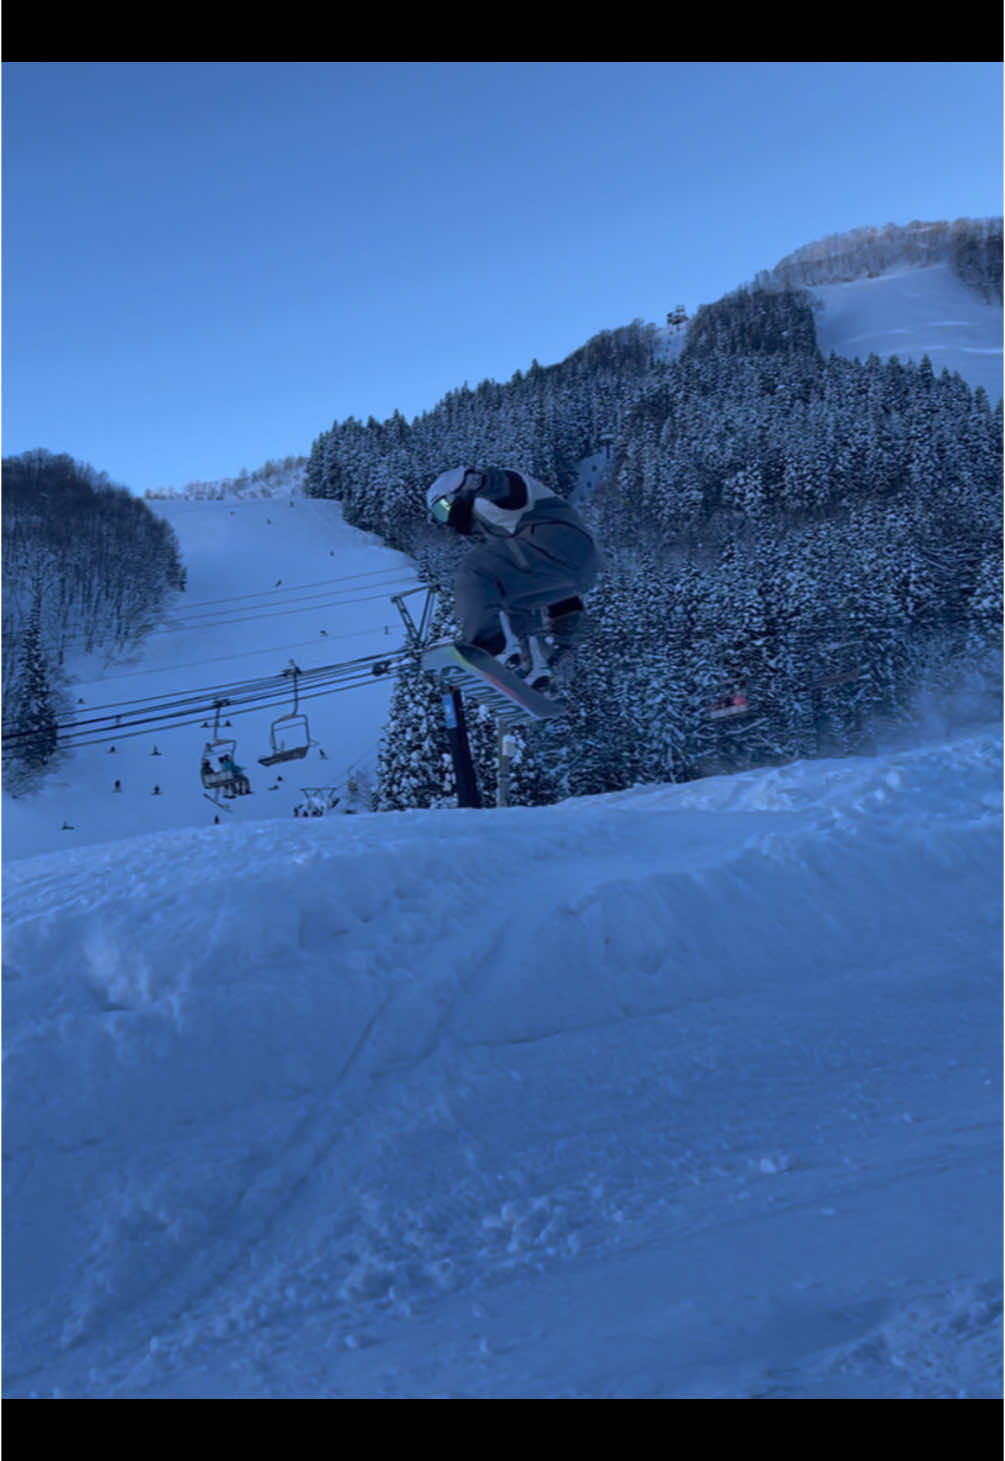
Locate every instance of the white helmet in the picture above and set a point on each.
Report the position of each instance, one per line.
(443, 491)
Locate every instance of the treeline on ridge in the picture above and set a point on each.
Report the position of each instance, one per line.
(972, 247)
(86, 564)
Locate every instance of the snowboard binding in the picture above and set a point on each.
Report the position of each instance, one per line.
(539, 655)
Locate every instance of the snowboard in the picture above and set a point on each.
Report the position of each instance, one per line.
(489, 682)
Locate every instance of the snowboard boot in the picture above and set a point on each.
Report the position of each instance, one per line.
(494, 644)
(540, 655)
(561, 634)
(528, 657)
(537, 668)
(515, 655)
(564, 623)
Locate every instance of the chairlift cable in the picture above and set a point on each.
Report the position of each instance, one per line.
(395, 572)
(235, 687)
(198, 718)
(242, 697)
(279, 608)
(226, 658)
(273, 611)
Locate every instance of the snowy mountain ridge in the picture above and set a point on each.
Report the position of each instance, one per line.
(891, 291)
(274, 479)
(972, 247)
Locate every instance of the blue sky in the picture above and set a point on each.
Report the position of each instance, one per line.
(205, 264)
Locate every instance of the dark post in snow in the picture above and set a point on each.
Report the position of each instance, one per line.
(505, 757)
(457, 733)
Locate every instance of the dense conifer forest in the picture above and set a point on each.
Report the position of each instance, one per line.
(822, 536)
(85, 565)
(816, 539)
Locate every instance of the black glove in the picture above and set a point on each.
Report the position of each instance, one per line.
(495, 484)
(460, 515)
(463, 504)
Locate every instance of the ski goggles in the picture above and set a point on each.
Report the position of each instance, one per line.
(439, 510)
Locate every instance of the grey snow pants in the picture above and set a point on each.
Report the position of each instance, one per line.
(541, 564)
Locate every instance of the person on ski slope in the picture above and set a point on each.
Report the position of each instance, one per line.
(534, 560)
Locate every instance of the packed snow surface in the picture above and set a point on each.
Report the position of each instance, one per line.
(914, 312)
(681, 1092)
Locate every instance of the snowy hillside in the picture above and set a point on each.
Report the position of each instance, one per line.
(684, 1092)
(268, 580)
(911, 313)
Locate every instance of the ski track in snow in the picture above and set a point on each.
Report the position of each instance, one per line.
(683, 1091)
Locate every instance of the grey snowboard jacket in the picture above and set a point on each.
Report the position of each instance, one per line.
(507, 502)
(535, 552)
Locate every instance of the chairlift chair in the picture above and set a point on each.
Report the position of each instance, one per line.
(297, 726)
(230, 783)
(218, 749)
(734, 703)
(295, 723)
(836, 677)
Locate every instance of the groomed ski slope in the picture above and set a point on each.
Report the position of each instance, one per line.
(269, 580)
(914, 312)
(682, 1092)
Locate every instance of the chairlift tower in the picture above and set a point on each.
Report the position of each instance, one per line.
(452, 682)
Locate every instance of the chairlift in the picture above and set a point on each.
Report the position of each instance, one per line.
(290, 734)
(317, 801)
(213, 778)
(226, 776)
(837, 677)
(733, 703)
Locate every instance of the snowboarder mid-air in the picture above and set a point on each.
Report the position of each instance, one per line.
(535, 560)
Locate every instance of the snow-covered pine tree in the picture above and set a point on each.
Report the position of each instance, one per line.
(33, 717)
(414, 767)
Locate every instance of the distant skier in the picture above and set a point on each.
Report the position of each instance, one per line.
(536, 558)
